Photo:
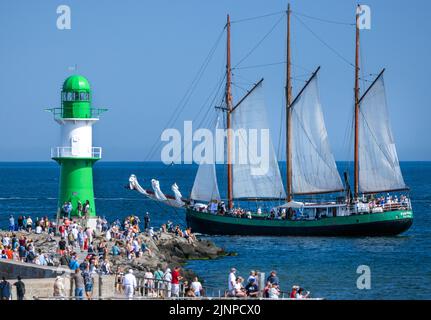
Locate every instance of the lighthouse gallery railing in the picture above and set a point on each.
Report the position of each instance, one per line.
(66, 152)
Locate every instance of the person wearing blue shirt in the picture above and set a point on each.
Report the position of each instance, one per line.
(115, 250)
(73, 265)
(5, 290)
(273, 279)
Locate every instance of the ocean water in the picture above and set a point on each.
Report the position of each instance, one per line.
(400, 266)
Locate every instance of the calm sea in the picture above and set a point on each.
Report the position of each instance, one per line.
(400, 266)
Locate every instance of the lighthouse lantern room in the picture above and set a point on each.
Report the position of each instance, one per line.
(75, 153)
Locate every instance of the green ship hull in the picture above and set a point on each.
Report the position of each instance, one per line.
(371, 224)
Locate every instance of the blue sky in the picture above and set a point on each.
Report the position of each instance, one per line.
(141, 56)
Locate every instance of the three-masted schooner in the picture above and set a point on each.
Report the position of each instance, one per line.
(370, 210)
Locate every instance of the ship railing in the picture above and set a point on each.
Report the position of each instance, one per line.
(69, 152)
(393, 206)
(396, 206)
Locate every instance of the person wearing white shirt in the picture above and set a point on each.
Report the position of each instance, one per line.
(232, 282)
(168, 281)
(273, 292)
(300, 294)
(197, 287)
(129, 284)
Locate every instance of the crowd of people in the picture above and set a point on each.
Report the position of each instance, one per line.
(219, 208)
(82, 209)
(371, 203)
(389, 202)
(77, 249)
(271, 290)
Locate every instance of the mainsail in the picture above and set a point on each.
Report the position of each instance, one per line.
(313, 165)
(379, 168)
(255, 168)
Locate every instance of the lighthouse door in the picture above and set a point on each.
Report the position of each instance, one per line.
(75, 145)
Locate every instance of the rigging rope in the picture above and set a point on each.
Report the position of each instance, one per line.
(258, 17)
(261, 65)
(324, 43)
(260, 42)
(323, 20)
(183, 102)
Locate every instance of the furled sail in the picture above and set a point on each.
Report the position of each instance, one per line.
(178, 196)
(255, 168)
(313, 165)
(379, 168)
(205, 187)
(157, 194)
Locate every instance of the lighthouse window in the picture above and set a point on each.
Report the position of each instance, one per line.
(76, 96)
(83, 96)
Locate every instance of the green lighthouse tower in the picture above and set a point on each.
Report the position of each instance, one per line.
(75, 153)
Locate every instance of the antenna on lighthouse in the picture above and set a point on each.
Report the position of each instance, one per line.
(73, 68)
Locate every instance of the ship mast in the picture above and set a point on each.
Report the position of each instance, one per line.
(288, 93)
(356, 160)
(228, 99)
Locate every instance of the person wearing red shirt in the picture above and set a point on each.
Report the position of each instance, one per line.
(176, 277)
(9, 253)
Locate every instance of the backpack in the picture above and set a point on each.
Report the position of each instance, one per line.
(87, 278)
(30, 256)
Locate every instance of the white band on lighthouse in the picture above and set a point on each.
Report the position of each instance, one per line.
(76, 137)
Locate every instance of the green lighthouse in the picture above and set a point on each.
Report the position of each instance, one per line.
(75, 153)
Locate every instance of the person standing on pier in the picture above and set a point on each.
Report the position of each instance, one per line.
(176, 278)
(129, 284)
(167, 277)
(78, 281)
(232, 282)
(88, 282)
(5, 290)
(20, 289)
(59, 287)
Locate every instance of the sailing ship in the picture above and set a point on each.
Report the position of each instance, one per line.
(378, 205)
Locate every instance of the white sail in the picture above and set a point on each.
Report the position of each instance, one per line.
(379, 168)
(255, 168)
(313, 165)
(205, 187)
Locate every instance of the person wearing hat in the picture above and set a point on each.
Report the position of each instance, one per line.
(167, 278)
(252, 289)
(294, 292)
(129, 284)
(232, 282)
